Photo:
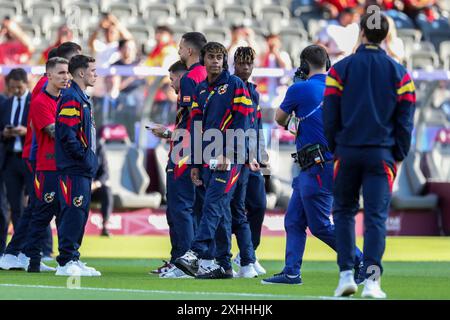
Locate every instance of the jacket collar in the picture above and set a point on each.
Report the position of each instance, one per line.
(80, 92)
(222, 79)
(371, 48)
(194, 66)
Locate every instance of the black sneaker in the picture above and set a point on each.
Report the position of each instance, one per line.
(34, 268)
(105, 233)
(214, 272)
(188, 263)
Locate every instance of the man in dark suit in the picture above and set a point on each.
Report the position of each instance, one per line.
(13, 121)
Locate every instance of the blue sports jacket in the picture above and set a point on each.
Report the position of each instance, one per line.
(257, 145)
(369, 101)
(224, 104)
(75, 138)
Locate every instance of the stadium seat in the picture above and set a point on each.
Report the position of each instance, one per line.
(409, 186)
(179, 29)
(409, 34)
(182, 4)
(273, 12)
(122, 11)
(422, 59)
(290, 35)
(444, 53)
(294, 52)
(41, 10)
(10, 9)
(32, 30)
(128, 178)
(81, 10)
(235, 13)
(216, 33)
(141, 32)
(195, 12)
(315, 27)
(157, 13)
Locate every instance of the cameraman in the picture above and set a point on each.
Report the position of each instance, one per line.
(312, 197)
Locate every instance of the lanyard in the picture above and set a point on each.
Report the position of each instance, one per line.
(311, 113)
(211, 93)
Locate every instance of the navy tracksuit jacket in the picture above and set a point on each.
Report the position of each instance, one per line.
(180, 212)
(75, 147)
(368, 117)
(224, 104)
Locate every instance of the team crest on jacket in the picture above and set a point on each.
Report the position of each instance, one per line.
(78, 201)
(222, 89)
(49, 197)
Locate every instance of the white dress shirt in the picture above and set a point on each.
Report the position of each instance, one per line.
(23, 98)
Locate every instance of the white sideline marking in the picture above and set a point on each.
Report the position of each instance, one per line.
(240, 294)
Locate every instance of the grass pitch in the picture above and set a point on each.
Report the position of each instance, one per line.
(415, 268)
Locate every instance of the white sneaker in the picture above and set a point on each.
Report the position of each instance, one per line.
(247, 271)
(11, 262)
(259, 268)
(372, 289)
(23, 259)
(94, 273)
(347, 285)
(72, 269)
(174, 273)
(45, 268)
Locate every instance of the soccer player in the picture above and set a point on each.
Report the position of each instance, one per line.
(13, 257)
(180, 190)
(368, 118)
(244, 58)
(221, 102)
(75, 146)
(42, 114)
(312, 197)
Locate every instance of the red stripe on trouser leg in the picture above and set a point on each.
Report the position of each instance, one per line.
(337, 163)
(233, 178)
(389, 175)
(319, 180)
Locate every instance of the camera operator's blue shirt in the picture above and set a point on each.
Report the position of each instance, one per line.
(302, 98)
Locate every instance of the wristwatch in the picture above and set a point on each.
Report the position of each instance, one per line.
(166, 134)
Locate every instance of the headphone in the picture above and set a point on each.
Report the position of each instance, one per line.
(302, 72)
(202, 58)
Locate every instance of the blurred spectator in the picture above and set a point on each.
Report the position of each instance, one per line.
(64, 35)
(106, 52)
(335, 7)
(273, 57)
(127, 98)
(165, 52)
(428, 7)
(16, 47)
(393, 45)
(241, 36)
(340, 36)
(386, 4)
